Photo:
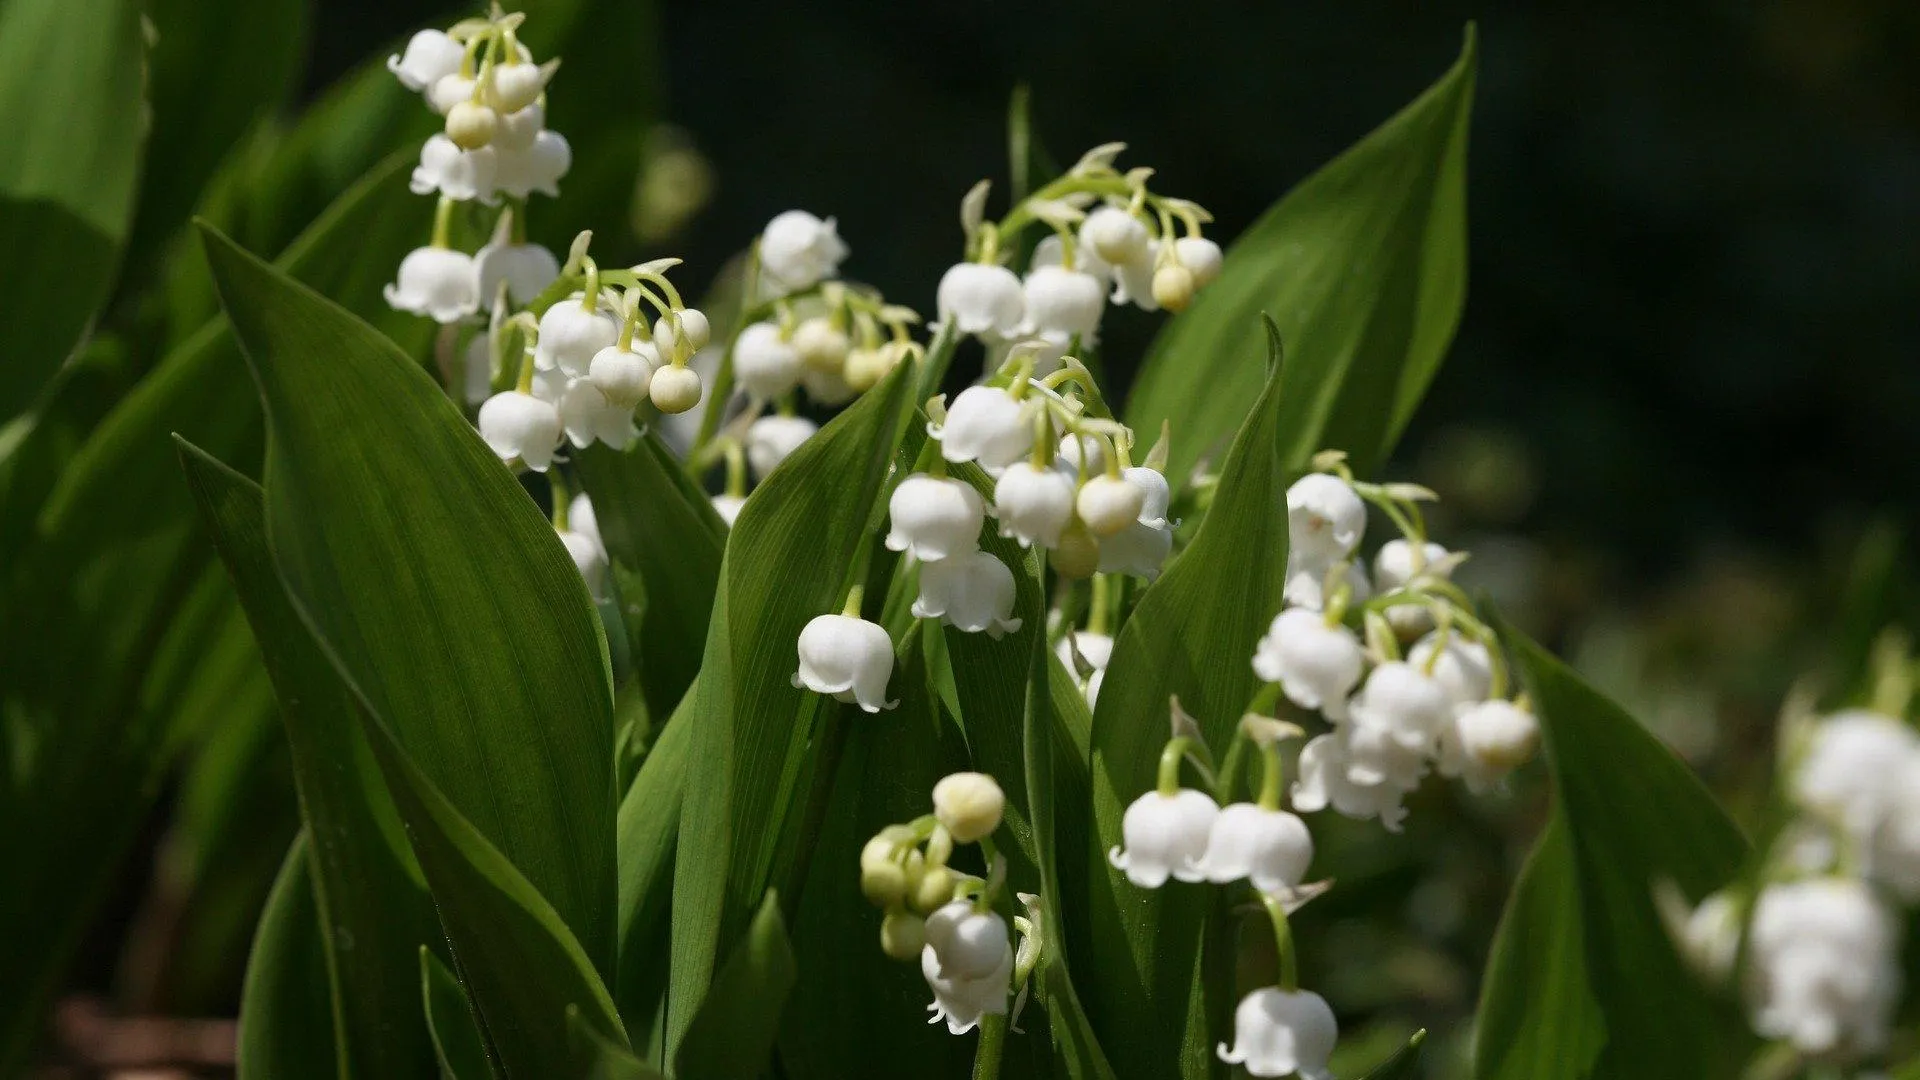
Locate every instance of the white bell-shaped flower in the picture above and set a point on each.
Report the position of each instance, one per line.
(693, 326)
(969, 805)
(517, 83)
(1276, 1033)
(589, 559)
(1852, 767)
(571, 334)
(516, 131)
(582, 519)
(827, 387)
(462, 175)
(1108, 504)
(822, 345)
(1461, 667)
(765, 364)
(771, 439)
(1894, 857)
(849, 658)
(1326, 781)
(1165, 835)
(1272, 848)
(436, 282)
(1064, 302)
(539, 167)
(1033, 504)
(1139, 549)
(1133, 281)
(1116, 236)
(972, 591)
(588, 416)
(1316, 665)
(1394, 568)
(1155, 495)
(981, 299)
(1325, 519)
(1051, 252)
(1394, 723)
(1095, 649)
(430, 56)
(1201, 257)
(1307, 582)
(1078, 451)
(1823, 961)
(988, 425)
(517, 425)
(526, 268)
(622, 375)
(478, 375)
(798, 251)
(961, 1002)
(1486, 741)
(967, 943)
(447, 91)
(934, 517)
(728, 507)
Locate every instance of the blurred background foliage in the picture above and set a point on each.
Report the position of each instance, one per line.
(1677, 427)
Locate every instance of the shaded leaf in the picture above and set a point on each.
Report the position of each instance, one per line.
(450, 1021)
(732, 1034)
(603, 1059)
(648, 830)
(1404, 1064)
(286, 1028)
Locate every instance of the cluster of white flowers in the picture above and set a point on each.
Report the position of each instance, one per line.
(1823, 927)
(944, 917)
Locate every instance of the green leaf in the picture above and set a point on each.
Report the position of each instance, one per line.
(450, 1020)
(1405, 1062)
(1363, 265)
(1190, 636)
(1634, 814)
(286, 1032)
(789, 558)
(70, 86)
(649, 830)
(603, 1059)
(662, 528)
(437, 587)
(375, 912)
(1538, 1019)
(731, 1036)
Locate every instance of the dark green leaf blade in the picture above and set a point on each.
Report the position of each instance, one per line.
(649, 830)
(286, 1011)
(603, 1059)
(450, 1019)
(732, 1034)
(1405, 1062)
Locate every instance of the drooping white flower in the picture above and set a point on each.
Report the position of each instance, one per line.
(771, 439)
(934, 517)
(1894, 857)
(1307, 582)
(1270, 847)
(1488, 740)
(728, 507)
(969, 805)
(517, 425)
(849, 658)
(970, 590)
(1462, 667)
(1325, 780)
(1065, 302)
(1033, 504)
(828, 387)
(1276, 1033)
(1823, 966)
(1852, 768)
(981, 299)
(571, 334)
(430, 56)
(1155, 495)
(1116, 236)
(799, 250)
(966, 943)
(988, 425)
(959, 1000)
(517, 83)
(693, 325)
(1165, 835)
(582, 519)
(539, 167)
(589, 559)
(516, 131)
(822, 345)
(1108, 504)
(623, 375)
(587, 416)
(526, 268)
(1201, 257)
(1139, 549)
(1133, 281)
(765, 364)
(436, 282)
(1095, 649)
(463, 175)
(1393, 568)
(1325, 519)
(1393, 725)
(1076, 449)
(1316, 665)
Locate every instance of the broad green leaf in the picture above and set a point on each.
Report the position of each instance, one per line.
(450, 1020)
(1538, 1019)
(1634, 815)
(70, 86)
(1190, 636)
(603, 1059)
(1364, 267)
(732, 1034)
(1404, 1064)
(649, 829)
(661, 527)
(436, 586)
(286, 1019)
(375, 912)
(789, 557)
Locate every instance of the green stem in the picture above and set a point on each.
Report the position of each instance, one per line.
(1099, 610)
(1170, 757)
(562, 501)
(855, 597)
(993, 1045)
(1272, 776)
(442, 222)
(1283, 943)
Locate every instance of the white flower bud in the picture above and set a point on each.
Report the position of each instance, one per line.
(624, 374)
(526, 268)
(1201, 257)
(988, 425)
(1270, 847)
(1116, 236)
(798, 251)
(1165, 835)
(981, 299)
(1325, 780)
(539, 167)
(675, 389)
(571, 335)
(430, 56)
(1065, 302)
(822, 346)
(589, 559)
(902, 934)
(1325, 519)
(728, 507)
(1823, 963)
(517, 425)
(693, 322)
(435, 282)
(771, 439)
(766, 365)
(449, 90)
(962, 1001)
(1173, 287)
(1108, 504)
(470, 125)
(866, 367)
(971, 590)
(849, 658)
(1096, 650)
(969, 804)
(445, 169)
(1316, 665)
(587, 416)
(934, 517)
(518, 130)
(1032, 504)
(826, 386)
(1277, 1033)
(517, 84)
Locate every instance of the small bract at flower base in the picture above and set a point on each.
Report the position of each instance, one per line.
(436, 282)
(848, 658)
(971, 591)
(1166, 835)
(517, 425)
(969, 805)
(934, 517)
(1277, 1033)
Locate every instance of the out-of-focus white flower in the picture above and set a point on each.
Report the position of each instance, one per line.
(1708, 938)
(517, 84)
(539, 167)
(1462, 668)
(1852, 768)
(623, 375)
(587, 416)
(1201, 257)
(1165, 835)
(827, 387)
(448, 90)
(1316, 665)
(589, 559)
(429, 57)
(1276, 1033)
(765, 364)
(479, 369)
(1325, 519)
(1823, 966)
(934, 517)
(582, 519)
(1325, 780)
(981, 299)
(771, 439)
(822, 345)
(1307, 582)
(517, 425)
(571, 334)
(1486, 741)
(1116, 236)
(799, 250)
(1270, 847)
(971, 590)
(961, 940)
(517, 130)
(1096, 650)
(1065, 302)
(526, 268)
(1393, 725)
(1139, 549)
(728, 507)
(1033, 504)
(969, 805)
(436, 282)
(988, 425)
(1894, 858)
(849, 658)
(463, 175)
